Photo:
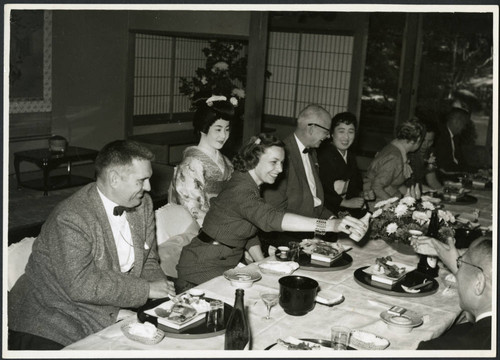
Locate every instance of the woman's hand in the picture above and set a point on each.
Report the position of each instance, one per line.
(354, 203)
(349, 225)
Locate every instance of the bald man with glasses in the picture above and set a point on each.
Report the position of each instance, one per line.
(298, 189)
(473, 271)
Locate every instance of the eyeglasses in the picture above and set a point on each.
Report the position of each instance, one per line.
(460, 262)
(322, 127)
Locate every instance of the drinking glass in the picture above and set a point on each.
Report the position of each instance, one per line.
(215, 316)
(270, 298)
(340, 337)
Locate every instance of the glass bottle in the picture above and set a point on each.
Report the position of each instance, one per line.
(418, 191)
(237, 335)
(428, 264)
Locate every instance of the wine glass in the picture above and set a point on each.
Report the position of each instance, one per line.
(270, 298)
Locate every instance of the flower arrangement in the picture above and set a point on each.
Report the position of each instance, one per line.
(224, 74)
(394, 219)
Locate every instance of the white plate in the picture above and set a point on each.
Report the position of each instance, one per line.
(409, 319)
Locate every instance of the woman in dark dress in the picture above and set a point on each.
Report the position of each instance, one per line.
(238, 212)
(338, 170)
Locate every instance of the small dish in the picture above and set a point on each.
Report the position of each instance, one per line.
(241, 277)
(402, 323)
(196, 292)
(158, 336)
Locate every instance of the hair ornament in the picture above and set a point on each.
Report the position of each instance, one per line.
(210, 101)
(257, 141)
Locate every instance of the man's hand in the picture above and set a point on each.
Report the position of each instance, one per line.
(354, 203)
(447, 252)
(161, 288)
(424, 245)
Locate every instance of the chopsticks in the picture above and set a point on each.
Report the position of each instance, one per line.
(418, 286)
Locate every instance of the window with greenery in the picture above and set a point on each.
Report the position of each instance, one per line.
(457, 58)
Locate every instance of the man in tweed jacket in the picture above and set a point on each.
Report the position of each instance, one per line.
(84, 268)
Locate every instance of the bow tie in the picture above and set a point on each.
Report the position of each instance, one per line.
(306, 150)
(118, 210)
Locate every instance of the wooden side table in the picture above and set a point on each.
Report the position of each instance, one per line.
(47, 161)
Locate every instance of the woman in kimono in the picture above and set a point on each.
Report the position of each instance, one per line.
(204, 169)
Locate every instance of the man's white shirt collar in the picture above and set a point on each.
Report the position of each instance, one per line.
(300, 145)
(484, 315)
(108, 205)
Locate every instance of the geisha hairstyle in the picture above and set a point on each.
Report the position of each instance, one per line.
(249, 155)
(206, 115)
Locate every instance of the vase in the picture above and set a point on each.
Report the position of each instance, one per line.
(403, 248)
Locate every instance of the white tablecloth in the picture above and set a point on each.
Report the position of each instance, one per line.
(438, 310)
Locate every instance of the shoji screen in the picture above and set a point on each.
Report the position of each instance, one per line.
(159, 63)
(307, 68)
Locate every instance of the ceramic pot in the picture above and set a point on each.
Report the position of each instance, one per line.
(298, 294)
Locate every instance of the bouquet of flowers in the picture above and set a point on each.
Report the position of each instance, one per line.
(224, 74)
(394, 219)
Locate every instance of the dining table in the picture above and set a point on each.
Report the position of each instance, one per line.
(360, 309)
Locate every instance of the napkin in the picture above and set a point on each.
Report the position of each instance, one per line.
(285, 267)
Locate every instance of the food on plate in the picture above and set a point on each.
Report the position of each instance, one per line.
(200, 305)
(321, 247)
(300, 346)
(146, 330)
(392, 271)
(178, 313)
(453, 194)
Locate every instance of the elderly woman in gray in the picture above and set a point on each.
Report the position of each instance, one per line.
(390, 168)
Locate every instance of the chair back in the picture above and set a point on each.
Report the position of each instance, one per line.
(17, 257)
(175, 228)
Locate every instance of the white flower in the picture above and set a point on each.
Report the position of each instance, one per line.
(377, 213)
(391, 200)
(220, 66)
(446, 216)
(400, 210)
(234, 101)
(408, 200)
(420, 217)
(428, 205)
(238, 93)
(204, 80)
(391, 228)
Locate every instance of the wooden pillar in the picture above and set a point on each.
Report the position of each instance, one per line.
(410, 68)
(257, 55)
